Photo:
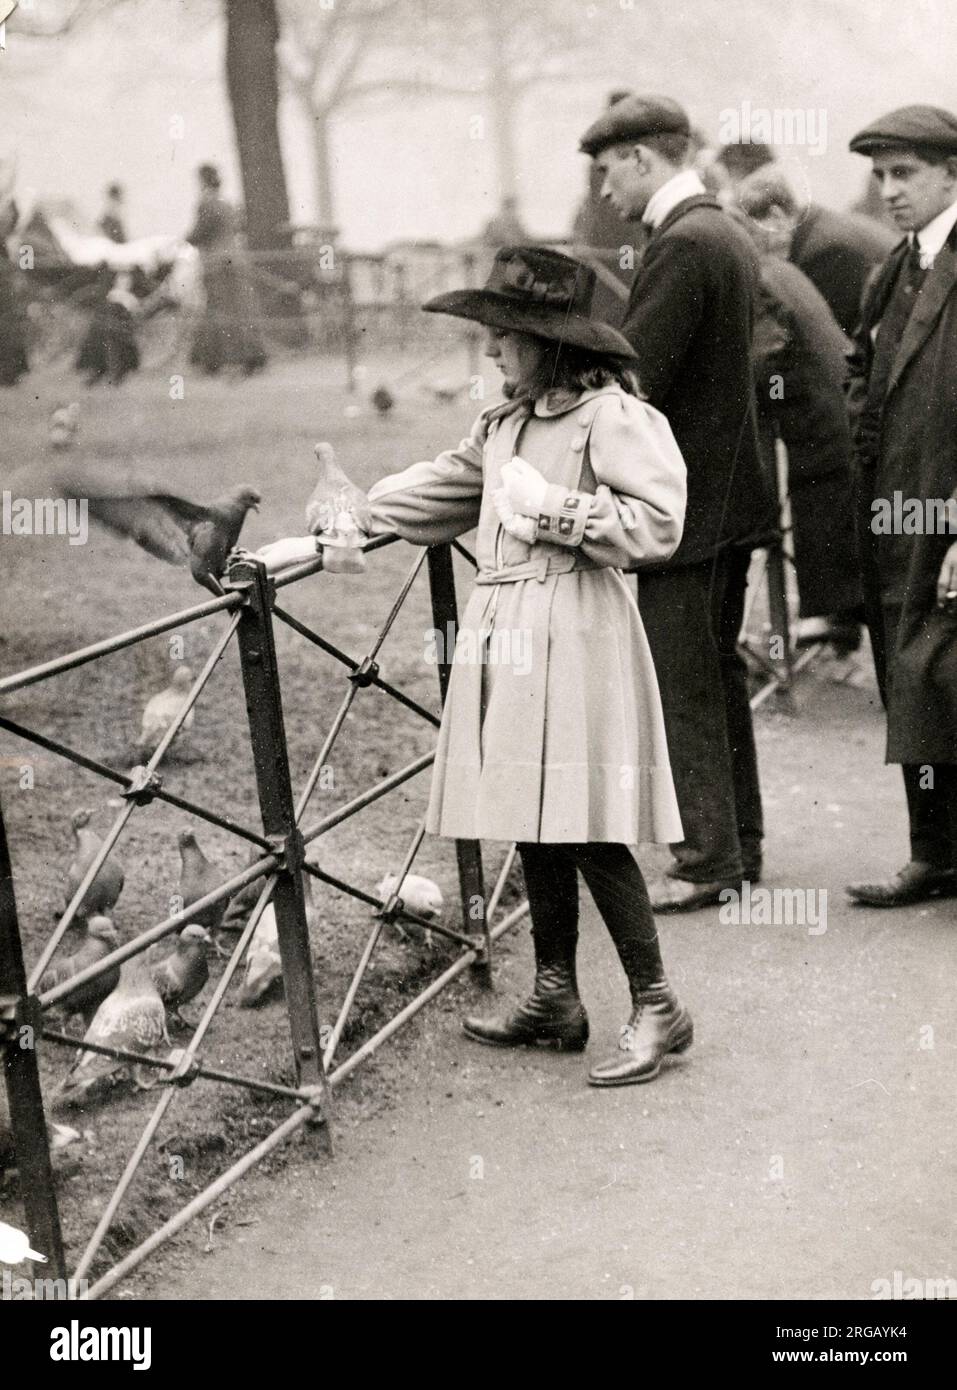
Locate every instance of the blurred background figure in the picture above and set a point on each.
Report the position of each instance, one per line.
(799, 357)
(506, 227)
(13, 341)
(740, 159)
(111, 224)
(228, 333)
(836, 250)
(109, 349)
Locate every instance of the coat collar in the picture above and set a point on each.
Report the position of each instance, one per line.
(697, 200)
(560, 402)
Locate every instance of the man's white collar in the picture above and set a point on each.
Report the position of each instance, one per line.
(931, 238)
(685, 184)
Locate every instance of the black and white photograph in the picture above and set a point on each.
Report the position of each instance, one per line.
(478, 665)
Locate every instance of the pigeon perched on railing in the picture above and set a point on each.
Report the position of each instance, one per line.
(161, 709)
(197, 878)
(133, 1018)
(181, 973)
(336, 506)
(100, 898)
(100, 939)
(338, 513)
(161, 522)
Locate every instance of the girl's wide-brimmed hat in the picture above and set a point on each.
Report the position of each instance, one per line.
(531, 289)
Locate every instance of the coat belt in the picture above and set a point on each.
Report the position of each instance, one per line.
(544, 561)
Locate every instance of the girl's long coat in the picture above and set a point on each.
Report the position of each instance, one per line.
(552, 729)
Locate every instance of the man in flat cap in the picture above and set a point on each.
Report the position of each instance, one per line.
(689, 320)
(903, 400)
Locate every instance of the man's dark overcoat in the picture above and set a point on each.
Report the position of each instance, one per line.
(690, 320)
(910, 446)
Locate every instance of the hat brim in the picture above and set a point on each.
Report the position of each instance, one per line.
(542, 320)
(872, 144)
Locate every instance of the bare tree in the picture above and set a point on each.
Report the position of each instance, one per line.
(493, 53)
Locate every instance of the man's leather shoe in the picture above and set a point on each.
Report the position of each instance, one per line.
(915, 883)
(678, 895)
(659, 1025)
(552, 1016)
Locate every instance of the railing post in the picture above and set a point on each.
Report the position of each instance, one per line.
(257, 650)
(445, 619)
(18, 1050)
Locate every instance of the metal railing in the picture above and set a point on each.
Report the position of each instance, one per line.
(251, 610)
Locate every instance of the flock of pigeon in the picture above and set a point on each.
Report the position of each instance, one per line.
(131, 1006)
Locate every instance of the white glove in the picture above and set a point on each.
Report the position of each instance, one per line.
(524, 486)
(290, 551)
(523, 528)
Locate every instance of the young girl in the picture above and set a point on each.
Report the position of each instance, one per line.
(552, 733)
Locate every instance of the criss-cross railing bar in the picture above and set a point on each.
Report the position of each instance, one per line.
(457, 545)
(293, 573)
(123, 779)
(59, 931)
(119, 823)
(341, 884)
(367, 951)
(354, 665)
(250, 597)
(247, 1083)
(501, 881)
(321, 760)
(351, 992)
(195, 690)
(441, 982)
(186, 1062)
(205, 1199)
(377, 790)
(295, 1121)
(153, 934)
(63, 750)
(72, 660)
(400, 598)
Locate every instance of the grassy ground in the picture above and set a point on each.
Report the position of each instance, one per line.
(60, 597)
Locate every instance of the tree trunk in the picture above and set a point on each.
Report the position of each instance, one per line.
(252, 31)
(316, 118)
(322, 159)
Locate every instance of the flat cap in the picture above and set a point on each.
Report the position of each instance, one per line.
(930, 127)
(634, 118)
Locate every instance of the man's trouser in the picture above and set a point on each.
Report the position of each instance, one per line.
(693, 616)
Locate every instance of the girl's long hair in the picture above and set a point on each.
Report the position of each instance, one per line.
(575, 369)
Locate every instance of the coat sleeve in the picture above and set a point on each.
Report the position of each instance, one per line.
(664, 313)
(637, 511)
(435, 500)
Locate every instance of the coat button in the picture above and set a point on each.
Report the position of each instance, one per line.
(578, 443)
(584, 418)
